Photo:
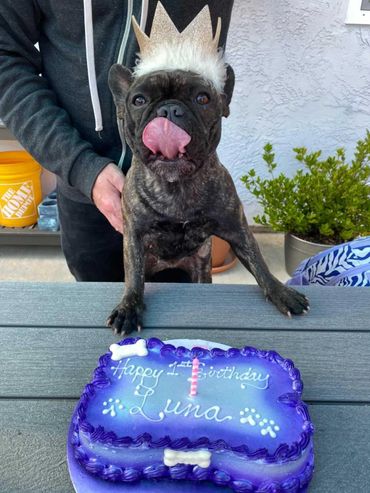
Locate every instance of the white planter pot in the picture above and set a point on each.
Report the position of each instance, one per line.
(297, 250)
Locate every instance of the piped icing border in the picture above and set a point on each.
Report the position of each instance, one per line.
(293, 484)
(283, 452)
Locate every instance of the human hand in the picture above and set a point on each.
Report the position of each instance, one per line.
(106, 194)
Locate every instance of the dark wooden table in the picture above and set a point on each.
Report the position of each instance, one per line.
(51, 336)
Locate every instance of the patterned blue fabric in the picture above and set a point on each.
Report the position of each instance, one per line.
(343, 265)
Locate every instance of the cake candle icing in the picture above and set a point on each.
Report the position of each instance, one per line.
(194, 378)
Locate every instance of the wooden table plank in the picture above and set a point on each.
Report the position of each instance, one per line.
(49, 362)
(52, 335)
(32, 455)
(180, 305)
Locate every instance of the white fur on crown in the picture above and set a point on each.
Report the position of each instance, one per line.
(185, 55)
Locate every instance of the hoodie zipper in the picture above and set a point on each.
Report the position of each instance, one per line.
(120, 60)
(143, 19)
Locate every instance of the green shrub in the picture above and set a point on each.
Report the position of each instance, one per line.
(328, 201)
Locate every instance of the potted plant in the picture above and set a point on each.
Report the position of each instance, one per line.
(222, 256)
(325, 203)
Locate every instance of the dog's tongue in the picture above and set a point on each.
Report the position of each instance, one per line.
(162, 136)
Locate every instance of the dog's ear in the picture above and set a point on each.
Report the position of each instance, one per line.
(119, 80)
(228, 90)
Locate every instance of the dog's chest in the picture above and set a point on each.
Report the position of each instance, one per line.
(171, 240)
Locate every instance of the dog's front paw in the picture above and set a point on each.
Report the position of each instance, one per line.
(126, 318)
(288, 300)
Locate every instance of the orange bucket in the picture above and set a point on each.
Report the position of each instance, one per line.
(20, 189)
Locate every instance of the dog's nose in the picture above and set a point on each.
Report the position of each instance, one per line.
(171, 111)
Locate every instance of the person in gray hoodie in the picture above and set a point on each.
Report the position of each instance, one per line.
(54, 96)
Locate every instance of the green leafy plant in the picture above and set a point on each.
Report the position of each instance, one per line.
(326, 201)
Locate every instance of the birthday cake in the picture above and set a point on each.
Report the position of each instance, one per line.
(233, 417)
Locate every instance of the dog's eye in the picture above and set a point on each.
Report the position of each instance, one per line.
(139, 100)
(202, 98)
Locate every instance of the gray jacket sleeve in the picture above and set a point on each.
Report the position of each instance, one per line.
(28, 106)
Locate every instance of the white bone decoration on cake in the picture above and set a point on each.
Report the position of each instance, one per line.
(233, 417)
(137, 349)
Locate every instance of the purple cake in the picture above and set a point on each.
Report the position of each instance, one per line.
(234, 417)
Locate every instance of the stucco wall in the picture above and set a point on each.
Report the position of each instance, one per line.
(302, 79)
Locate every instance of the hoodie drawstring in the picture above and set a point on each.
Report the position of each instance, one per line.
(144, 14)
(90, 58)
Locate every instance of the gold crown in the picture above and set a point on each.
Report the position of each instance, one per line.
(199, 31)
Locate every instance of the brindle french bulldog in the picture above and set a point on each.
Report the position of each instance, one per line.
(177, 193)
